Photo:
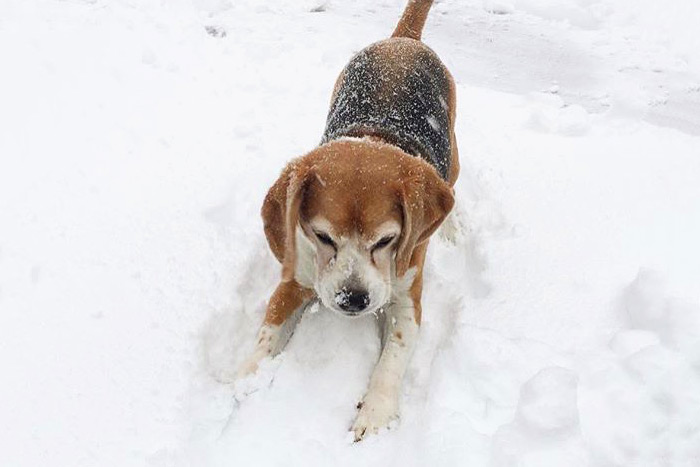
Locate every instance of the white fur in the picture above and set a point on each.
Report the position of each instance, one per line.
(268, 345)
(305, 271)
(271, 340)
(452, 229)
(350, 261)
(380, 406)
(351, 258)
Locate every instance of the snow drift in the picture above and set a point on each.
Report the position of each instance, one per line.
(138, 139)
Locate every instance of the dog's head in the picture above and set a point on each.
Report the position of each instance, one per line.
(361, 207)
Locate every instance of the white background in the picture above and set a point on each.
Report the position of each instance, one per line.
(136, 148)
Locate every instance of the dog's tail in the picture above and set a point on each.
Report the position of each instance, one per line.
(413, 19)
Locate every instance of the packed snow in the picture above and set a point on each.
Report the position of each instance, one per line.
(561, 312)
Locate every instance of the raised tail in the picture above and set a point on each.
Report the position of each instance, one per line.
(413, 19)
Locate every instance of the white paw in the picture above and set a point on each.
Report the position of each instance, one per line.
(235, 374)
(253, 375)
(248, 367)
(452, 229)
(251, 364)
(377, 411)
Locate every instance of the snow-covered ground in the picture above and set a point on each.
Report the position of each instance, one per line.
(138, 138)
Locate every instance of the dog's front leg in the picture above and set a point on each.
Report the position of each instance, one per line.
(282, 314)
(381, 402)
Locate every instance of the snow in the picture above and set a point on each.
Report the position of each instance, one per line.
(138, 139)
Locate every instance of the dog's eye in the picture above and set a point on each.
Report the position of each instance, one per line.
(325, 239)
(383, 242)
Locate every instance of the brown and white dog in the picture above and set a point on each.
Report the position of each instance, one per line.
(350, 221)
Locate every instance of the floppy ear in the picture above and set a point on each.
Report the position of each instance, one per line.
(280, 213)
(425, 200)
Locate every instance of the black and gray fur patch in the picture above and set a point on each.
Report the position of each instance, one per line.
(402, 100)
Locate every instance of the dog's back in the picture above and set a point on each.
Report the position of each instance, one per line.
(402, 101)
(397, 90)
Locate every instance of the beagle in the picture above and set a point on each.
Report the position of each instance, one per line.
(350, 221)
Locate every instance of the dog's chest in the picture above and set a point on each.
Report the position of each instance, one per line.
(402, 99)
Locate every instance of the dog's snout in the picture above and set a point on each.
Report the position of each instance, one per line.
(352, 300)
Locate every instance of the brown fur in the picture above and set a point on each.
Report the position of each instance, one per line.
(357, 184)
(413, 19)
(287, 297)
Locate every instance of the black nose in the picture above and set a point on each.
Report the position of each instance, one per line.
(352, 300)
